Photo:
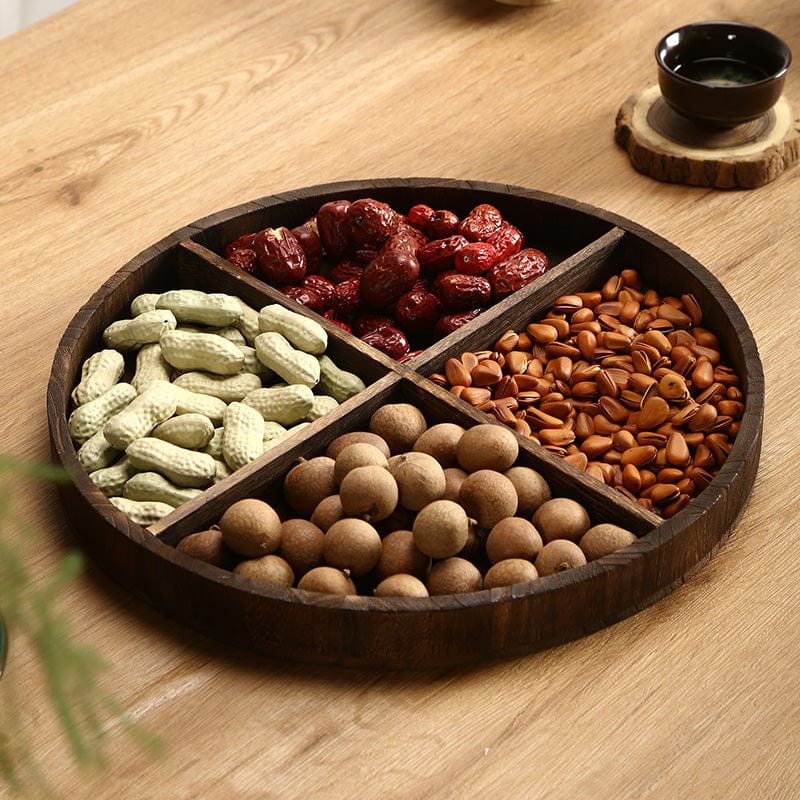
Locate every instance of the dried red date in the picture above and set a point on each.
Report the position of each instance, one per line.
(345, 270)
(370, 223)
(333, 316)
(459, 291)
(517, 271)
(306, 297)
(442, 223)
(507, 240)
(307, 236)
(244, 242)
(420, 216)
(480, 223)
(389, 340)
(475, 258)
(331, 226)
(405, 237)
(323, 287)
(452, 322)
(417, 310)
(348, 296)
(368, 321)
(409, 355)
(281, 259)
(439, 255)
(244, 259)
(387, 277)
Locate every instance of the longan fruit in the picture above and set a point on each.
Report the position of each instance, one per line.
(351, 437)
(508, 572)
(453, 576)
(309, 482)
(328, 511)
(440, 441)
(441, 529)
(271, 569)
(327, 580)
(399, 555)
(251, 528)
(532, 489)
(453, 477)
(353, 545)
(358, 454)
(399, 424)
(369, 493)
(420, 479)
(488, 496)
(605, 538)
(559, 555)
(301, 545)
(561, 518)
(487, 446)
(208, 546)
(513, 537)
(401, 585)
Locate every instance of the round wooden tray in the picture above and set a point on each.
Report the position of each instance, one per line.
(585, 245)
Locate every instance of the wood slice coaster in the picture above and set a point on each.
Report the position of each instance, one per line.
(666, 146)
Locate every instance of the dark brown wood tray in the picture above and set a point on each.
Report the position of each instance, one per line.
(585, 245)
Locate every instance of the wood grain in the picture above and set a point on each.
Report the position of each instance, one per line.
(122, 123)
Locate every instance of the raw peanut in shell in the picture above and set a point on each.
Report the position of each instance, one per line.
(327, 580)
(271, 569)
(401, 585)
(557, 556)
(358, 454)
(399, 424)
(369, 493)
(605, 538)
(208, 546)
(352, 545)
(453, 576)
(301, 545)
(345, 439)
(251, 528)
(420, 479)
(488, 497)
(508, 572)
(309, 482)
(561, 518)
(532, 489)
(441, 529)
(440, 441)
(487, 446)
(512, 538)
(399, 555)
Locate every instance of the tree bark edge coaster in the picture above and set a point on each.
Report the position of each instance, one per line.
(664, 145)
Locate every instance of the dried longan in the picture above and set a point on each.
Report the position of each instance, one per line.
(508, 572)
(420, 479)
(358, 454)
(399, 554)
(513, 537)
(441, 529)
(600, 540)
(301, 545)
(369, 493)
(399, 425)
(271, 569)
(309, 482)
(557, 556)
(327, 580)
(401, 585)
(353, 545)
(561, 518)
(487, 446)
(488, 496)
(532, 489)
(453, 576)
(251, 528)
(440, 441)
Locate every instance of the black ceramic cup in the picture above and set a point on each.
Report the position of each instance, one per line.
(721, 74)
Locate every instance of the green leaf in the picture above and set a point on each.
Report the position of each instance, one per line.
(33, 469)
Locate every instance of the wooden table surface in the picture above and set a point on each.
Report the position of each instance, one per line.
(121, 122)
